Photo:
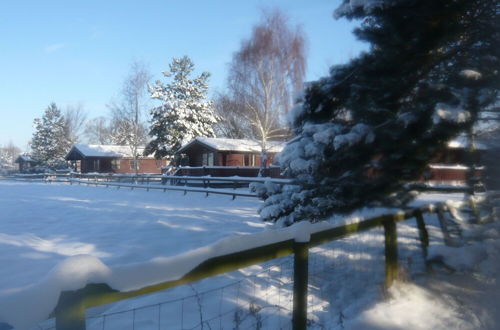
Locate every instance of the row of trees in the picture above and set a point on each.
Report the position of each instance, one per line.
(263, 77)
(183, 115)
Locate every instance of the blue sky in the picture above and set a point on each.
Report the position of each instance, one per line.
(80, 51)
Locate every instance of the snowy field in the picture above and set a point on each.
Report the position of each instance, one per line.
(43, 224)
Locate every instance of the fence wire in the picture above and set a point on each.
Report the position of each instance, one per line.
(345, 276)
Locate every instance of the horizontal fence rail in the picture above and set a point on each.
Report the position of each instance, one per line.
(158, 182)
(70, 311)
(152, 178)
(205, 181)
(184, 189)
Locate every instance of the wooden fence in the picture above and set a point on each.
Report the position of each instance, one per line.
(70, 310)
(158, 182)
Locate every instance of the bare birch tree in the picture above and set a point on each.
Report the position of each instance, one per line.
(98, 131)
(266, 73)
(75, 119)
(127, 122)
(234, 125)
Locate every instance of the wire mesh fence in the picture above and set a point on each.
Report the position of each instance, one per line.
(256, 300)
(345, 276)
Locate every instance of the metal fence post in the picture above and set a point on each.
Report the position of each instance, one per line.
(391, 252)
(300, 280)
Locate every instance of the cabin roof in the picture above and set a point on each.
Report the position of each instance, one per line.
(462, 142)
(24, 158)
(239, 145)
(102, 151)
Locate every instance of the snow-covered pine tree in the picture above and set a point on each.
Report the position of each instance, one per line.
(373, 124)
(184, 114)
(49, 143)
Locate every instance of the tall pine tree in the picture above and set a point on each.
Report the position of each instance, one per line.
(375, 123)
(49, 143)
(184, 114)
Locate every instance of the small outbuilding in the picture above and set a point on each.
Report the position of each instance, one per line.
(87, 158)
(25, 163)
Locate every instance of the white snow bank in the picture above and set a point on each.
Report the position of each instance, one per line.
(410, 307)
(467, 299)
(26, 307)
(460, 258)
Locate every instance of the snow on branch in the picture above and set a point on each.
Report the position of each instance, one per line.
(451, 114)
(368, 6)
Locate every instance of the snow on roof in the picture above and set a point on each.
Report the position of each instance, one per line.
(242, 145)
(462, 142)
(24, 158)
(101, 150)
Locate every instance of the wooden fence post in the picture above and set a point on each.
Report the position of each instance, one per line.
(70, 309)
(444, 227)
(422, 233)
(300, 281)
(391, 252)
(70, 313)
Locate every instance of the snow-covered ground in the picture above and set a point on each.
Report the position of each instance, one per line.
(43, 224)
(464, 296)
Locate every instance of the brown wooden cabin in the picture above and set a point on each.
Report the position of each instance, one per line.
(25, 163)
(225, 157)
(452, 163)
(111, 159)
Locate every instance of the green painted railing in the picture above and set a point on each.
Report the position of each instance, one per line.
(70, 311)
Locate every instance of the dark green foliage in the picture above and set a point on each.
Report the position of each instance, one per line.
(376, 122)
(50, 143)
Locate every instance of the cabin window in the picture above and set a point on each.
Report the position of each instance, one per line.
(135, 164)
(115, 164)
(96, 164)
(249, 160)
(208, 159)
(158, 163)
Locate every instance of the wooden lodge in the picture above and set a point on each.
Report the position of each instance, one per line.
(451, 165)
(226, 157)
(25, 163)
(235, 157)
(111, 159)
